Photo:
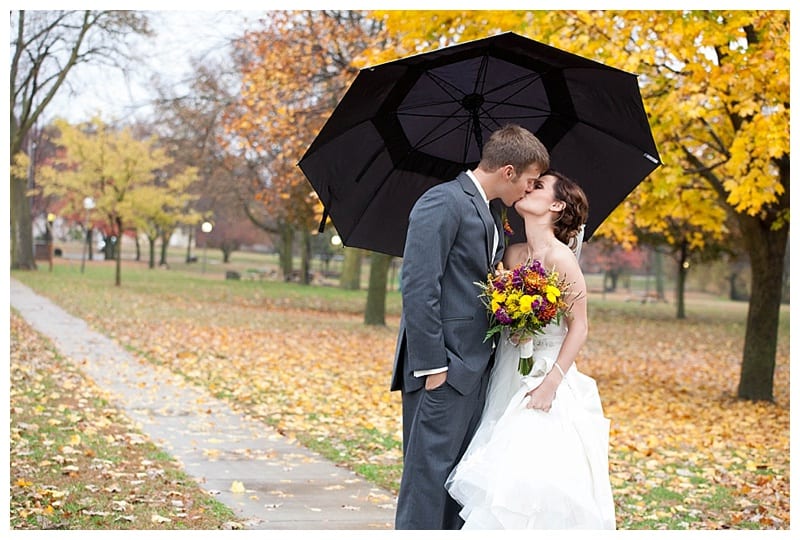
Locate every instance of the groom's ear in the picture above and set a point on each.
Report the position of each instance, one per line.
(508, 172)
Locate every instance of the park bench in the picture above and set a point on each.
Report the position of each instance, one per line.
(256, 273)
(646, 298)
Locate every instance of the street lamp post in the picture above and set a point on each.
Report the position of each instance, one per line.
(206, 227)
(88, 204)
(49, 235)
(336, 242)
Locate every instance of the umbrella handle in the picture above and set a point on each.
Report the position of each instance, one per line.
(325, 213)
(323, 220)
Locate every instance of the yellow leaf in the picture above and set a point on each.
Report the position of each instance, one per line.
(237, 487)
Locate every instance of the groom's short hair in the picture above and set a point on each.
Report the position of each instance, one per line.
(513, 145)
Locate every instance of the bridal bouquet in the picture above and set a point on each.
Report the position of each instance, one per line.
(524, 299)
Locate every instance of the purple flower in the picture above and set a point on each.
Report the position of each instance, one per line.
(502, 317)
(537, 267)
(516, 278)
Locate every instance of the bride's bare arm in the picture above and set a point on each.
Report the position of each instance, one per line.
(578, 329)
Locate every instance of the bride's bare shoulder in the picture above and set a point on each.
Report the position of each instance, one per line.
(515, 254)
(563, 257)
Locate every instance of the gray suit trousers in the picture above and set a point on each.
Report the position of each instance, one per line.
(445, 421)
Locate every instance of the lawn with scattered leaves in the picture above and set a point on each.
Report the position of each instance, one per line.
(77, 462)
(684, 453)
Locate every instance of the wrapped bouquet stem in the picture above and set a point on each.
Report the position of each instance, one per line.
(525, 357)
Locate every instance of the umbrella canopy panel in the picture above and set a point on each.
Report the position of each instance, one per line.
(467, 99)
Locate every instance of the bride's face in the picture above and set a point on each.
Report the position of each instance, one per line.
(541, 199)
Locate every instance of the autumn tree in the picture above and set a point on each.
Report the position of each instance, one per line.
(294, 71)
(716, 87)
(156, 209)
(108, 165)
(46, 47)
(190, 126)
(232, 228)
(720, 104)
(680, 222)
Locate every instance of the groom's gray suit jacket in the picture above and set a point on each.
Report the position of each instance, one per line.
(448, 244)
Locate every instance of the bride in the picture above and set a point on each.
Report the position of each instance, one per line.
(539, 458)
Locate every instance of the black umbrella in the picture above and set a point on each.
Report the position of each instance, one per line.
(409, 124)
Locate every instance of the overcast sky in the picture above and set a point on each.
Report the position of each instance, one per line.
(181, 35)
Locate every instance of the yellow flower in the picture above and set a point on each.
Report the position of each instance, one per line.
(497, 300)
(552, 293)
(525, 303)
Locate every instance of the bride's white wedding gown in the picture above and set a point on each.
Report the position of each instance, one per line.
(529, 469)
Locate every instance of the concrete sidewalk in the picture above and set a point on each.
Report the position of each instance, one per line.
(286, 485)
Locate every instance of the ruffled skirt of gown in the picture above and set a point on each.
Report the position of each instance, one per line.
(529, 469)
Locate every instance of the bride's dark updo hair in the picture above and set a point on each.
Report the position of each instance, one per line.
(576, 209)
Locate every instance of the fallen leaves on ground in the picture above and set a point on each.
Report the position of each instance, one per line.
(684, 453)
(76, 462)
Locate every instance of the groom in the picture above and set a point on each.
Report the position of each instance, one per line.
(442, 362)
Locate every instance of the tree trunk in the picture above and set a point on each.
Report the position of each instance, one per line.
(658, 269)
(610, 280)
(766, 248)
(733, 293)
(375, 312)
(785, 292)
(680, 283)
(21, 226)
(305, 259)
(393, 274)
(118, 253)
(285, 251)
(108, 247)
(151, 263)
(351, 269)
(737, 288)
(138, 248)
(164, 245)
(189, 246)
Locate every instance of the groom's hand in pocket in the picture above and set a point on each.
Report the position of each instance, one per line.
(435, 381)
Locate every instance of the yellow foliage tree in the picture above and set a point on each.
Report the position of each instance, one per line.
(716, 88)
(156, 209)
(107, 165)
